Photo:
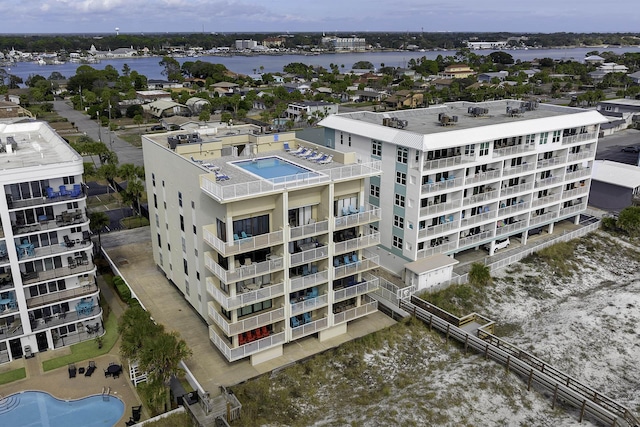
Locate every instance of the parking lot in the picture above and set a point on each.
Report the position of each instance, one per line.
(610, 147)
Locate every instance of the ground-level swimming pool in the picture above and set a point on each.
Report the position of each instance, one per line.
(39, 409)
(274, 167)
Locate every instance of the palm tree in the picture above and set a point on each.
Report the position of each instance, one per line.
(98, 221)
(479, 275)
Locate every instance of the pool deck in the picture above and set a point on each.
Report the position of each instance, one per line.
(57, 382)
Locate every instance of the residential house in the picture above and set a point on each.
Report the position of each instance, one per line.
(196, 105)
(159, 109)
(301, 111)
(404, 99)
(615, 185)
(488, 77)
(147, 96)
(456, 71)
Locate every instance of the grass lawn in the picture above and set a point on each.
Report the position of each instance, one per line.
(173, 420)
(16, 374)
(135, 222)
(87, 349)
(131, 138)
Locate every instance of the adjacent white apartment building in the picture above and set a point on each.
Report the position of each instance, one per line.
(268, 246)
(48, 291)
(462, 175)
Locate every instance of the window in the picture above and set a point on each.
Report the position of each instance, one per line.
(469, 150)
(341, 139)
(373, 228)
(398, 221)
(397, 242)
(376, 148)
(182, 222)
(185, 266)
(529, 139)
(543, 137)
(153, 179)
(194, 230)
(179, 198)
(193, 204)
(254, 308)
(374, 190)
(68, 180)
(349, 140)
(399, 200)
(159, 241)
(401, 178)
(402, 155)
(484, 149)
(155, 201)
(556, 136)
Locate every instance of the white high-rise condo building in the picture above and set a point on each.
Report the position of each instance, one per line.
(266, 236)
(48, 292)
(462, 175)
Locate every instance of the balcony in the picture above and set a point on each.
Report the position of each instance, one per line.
(575, 192)
(545, 163)
(45, 276)
(87, 289)
(440, 208)
(442, 185)
(247, 324)
(515, 189)
(25, 252)
(233, 354)
(45, 224)
(243, 272)
(511, 228)
(476, 239)
(440, 249)
(434, 230)
(508, 210)
(303, 282)
(309, 304)
(41, 201)
(65, 318)
(308, 256)
(582, 173)
(512, 150)
(309, 328)
(239, 300)
(545, 200)
(475, 219)
(480, 197)
(539, 219)
(247, 190)
(249, 244)
(571, 139)
(371, 214)
(442, 163)
(572, 210)
(548, 181)
(367, 263)
(482, 177)
(371, 284)
(356, 243)
(308, 230)
(517, 170)
(573, 157)
(370, 306)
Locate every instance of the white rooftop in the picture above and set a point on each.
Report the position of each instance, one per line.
(615, 173)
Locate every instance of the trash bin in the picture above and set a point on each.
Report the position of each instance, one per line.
(27, 352)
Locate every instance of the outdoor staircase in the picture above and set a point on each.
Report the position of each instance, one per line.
(106, 393)
(8, 403)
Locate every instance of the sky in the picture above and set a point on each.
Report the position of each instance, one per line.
(329, 16)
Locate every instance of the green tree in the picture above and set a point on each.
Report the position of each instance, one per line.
(171, 69)
(629, 220)
(137, 119)
(98, 221)
(108, 171)
(479, 275)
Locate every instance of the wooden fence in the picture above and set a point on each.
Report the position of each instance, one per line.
(536, 372)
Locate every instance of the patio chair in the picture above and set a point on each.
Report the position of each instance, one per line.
(314, 269)
(71, 262)
(304, 152)
(245, 235)
(347, 261)
(131, 422)
(90, 369)
(355, 259)
(312, 293)
(310, 154)
(220, 176)
(64, 191)
(107, 373)
(336, 262)
(286, 147)
(76, 191)
(345, 211)
(352, 210)
(72, 370)
(236, 237)
(258, 333)
(305, 270)
(68, 242)
(306, 317)
(298, 150)
(316, 157)
(321, 159)
(327, 160)
(295, 322)
(52, 194)
(86, 237)
(136, 412)
(265, 331)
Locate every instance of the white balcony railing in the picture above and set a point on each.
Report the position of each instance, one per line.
(508, 210)
(475, 219)
(241, 299)
(309, 230)
(371, 214)
(548, 181)
(476, 239)
(545, 163)
(482, 177)
(233, 354)
(303, 282)
(243, 272)
(309, 328)
(515, 189)
(569, 176)
(515, 149)
(242, 245)
(545, 200)
(440, 208)
(370, 261)
(228, 192)
(309, 304)
(517, 170)
(355, 312)
(572, 210)
(573, 157)
(357, 243)
(442, 163)
(437, 229)
(250, 323)
(310, 255)
(543, 218)
(440, 249)
(481, 197)
(570, 139)
(511, 228)
(442, 185)
(360, 289)
(575, 192)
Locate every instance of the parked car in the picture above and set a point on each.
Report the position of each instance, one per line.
(500, 244)
(534, 231)
(631, 149)
(157, 127)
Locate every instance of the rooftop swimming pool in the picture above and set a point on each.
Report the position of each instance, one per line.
(273, 168)
(37, 409)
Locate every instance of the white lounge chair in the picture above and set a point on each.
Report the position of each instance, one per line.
(327, 160)
(315, 158)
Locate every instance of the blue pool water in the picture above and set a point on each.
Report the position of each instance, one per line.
(274, 167)
(39, 409)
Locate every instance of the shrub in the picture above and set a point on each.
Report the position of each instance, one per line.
(122, 289)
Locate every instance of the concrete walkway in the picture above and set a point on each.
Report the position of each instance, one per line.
(130, 249)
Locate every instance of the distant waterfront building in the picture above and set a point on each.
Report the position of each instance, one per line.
(487, 45)
(246, 44)
(345, 43)
(49, 297)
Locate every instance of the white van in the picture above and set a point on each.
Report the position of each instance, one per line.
(500, 244)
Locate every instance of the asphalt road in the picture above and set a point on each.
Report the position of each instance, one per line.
(126, 152)
(610, 147)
